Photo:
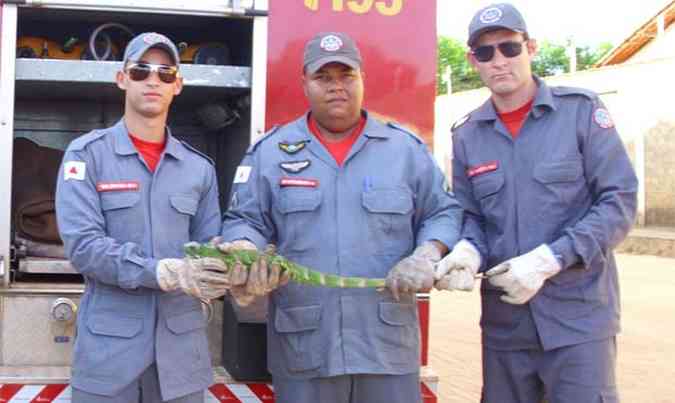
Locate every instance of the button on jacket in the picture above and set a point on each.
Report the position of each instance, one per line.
(358, 219)
(117, 219)
(565, 181)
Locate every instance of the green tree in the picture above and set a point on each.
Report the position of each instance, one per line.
(553, 59)
(587, 56)
(451, 55)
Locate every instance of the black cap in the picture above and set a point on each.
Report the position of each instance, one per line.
(495, 16)
(328, 47)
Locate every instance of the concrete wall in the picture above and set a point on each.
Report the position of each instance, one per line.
(640, 99)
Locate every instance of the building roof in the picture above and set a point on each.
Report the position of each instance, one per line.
(638, 39)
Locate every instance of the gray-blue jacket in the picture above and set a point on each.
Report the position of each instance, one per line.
(117, 219)
(565, 181)
(358, 219)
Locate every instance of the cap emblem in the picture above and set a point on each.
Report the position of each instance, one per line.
(331, 43)
(490, 15)
(153, 38)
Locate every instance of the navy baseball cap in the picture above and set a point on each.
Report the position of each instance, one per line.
(142, 42)
(495, 16)
(328, 47)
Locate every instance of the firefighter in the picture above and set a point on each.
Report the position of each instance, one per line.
(128, 198)
(341, 192)
(548, 193)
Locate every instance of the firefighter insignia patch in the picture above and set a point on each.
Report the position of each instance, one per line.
(295, 166)
(292, 148)
(602, 118)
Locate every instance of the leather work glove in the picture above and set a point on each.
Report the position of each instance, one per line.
(204, 278)
(458, 269)
(259, 280)
(415, 272)
(526, 274)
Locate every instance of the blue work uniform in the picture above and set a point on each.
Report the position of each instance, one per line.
(565, 181)
(117, 219)
(358, 219)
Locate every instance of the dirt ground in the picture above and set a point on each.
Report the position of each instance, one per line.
(646, 345)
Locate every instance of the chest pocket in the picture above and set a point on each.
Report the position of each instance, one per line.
(183, 209)
(488, 190)
(389, 215)
(123, 215)
(300, 215)
(562, 181)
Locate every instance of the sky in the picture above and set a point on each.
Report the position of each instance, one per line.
(589, 22)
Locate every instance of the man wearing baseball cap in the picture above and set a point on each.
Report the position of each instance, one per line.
(343, 193)
(548, 192)
(128, 198)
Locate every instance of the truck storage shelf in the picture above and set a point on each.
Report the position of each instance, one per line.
(84, 79)
(86, 71)
(46, 266)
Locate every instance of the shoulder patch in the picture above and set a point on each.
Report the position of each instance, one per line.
(565, 91)
(459, 122)
(81, 142)
(602, 118)
(265, 136)
(194, 150)
(404, 129)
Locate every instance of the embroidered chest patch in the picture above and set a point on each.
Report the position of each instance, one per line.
(482, 169)
(298, 182)
(292, 148)
(117, 186)
(294, 167)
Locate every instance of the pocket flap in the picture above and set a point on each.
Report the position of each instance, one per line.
(553, 172)
(184, 204)
(396, 314)
(391, 201)
(186, 322)
(487, 184)
(113, 201)
(114, 326)
(297, 319)
(296, 200)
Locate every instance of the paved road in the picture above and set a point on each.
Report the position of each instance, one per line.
(646, 350)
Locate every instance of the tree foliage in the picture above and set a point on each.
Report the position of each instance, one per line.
(452, 56)
(551, 59)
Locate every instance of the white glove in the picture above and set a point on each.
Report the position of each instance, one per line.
(457, 270)
(239, 244)
(205, 278)
(526, 274)
(259, 280)
(415, 272)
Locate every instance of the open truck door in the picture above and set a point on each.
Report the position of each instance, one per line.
(240, 60)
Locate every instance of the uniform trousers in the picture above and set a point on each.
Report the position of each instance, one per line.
(582, 373)
(362, 388)
(145, 389)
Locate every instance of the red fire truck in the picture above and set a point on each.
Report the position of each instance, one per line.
(241, 60)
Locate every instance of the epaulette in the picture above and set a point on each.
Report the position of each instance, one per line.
(81, 142)
(404, 129)
(194, 150)
(459, 122)
(564, 91)
(265, 136)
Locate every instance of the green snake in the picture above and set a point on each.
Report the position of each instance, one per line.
(297, 273)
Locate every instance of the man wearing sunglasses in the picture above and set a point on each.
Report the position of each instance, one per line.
(343, 193)
(548, 192)
(128, 198)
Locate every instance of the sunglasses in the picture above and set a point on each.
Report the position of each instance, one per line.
(141, 71)
(485, 53)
